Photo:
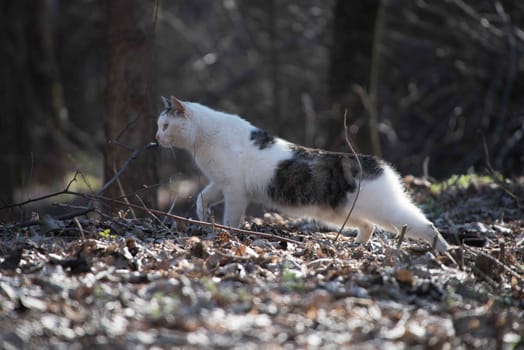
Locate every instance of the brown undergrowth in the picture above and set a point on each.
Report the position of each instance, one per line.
(135, 283)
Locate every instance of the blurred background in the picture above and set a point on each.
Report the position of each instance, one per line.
(429, 86)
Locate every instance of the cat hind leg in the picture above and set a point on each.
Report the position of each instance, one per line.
(383, 201)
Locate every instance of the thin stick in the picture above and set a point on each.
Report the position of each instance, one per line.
(123, 194)
(98, 196)
(161, 213)
(152, 214)
(460, 253)
(123, 131)
(72, 180)
(170, 209)
(90, 207)
(204, 223)
(124, 166)
(502, 256)
(155, 14)
(401, 236)
(80, 228)
(369, 105)
(494, 174)
(498, 262)
(359, 175)
(31, 200)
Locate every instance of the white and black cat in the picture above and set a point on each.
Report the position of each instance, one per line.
(246, 164)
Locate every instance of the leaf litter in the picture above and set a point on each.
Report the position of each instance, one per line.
(137, 283)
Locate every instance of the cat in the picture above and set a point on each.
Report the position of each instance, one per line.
(247, 164)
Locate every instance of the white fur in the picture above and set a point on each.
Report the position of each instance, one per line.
(239, 172)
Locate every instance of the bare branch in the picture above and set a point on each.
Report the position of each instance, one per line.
(402, 235)
(124, 196)
(202, 223)
(67, 190)
(124, 166)
(359, 175)
(493, 174)
(99, 196)
(72, 180)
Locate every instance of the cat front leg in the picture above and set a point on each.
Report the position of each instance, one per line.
(234, 207)
(210, 194)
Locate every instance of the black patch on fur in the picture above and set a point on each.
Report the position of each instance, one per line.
(262, 139)
(316, 177)
(371, 166)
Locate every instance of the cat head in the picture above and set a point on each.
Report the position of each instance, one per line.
(175, 127)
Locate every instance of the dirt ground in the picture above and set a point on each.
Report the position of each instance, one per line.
(145, 283)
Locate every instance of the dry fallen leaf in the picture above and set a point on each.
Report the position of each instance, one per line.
(201, 288)
(404, 276)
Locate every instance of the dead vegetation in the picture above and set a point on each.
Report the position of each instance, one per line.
(132, 283)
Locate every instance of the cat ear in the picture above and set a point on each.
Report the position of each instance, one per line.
(167, 102)
(179, 105)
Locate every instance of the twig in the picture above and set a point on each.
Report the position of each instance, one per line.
(90, 206)
(204, 223)
(152, 214)
(331, 261)
(70, 206)
(31, 200)
(170, 210)
(493, 173)
(488, 279)
(139, 191)
(72, 180)
(155, 15)
(123, 131)
(41, 198)
(502, 255)
(161, 213)
(99, 196)
(374, 78)
(369, 105)
(359, 175)
(460, 259)
(401, 236)
(123, 194)
(114, 220)
(240, 257)
(497, 262)
(86, 182)
(80, 228)
(124, 166)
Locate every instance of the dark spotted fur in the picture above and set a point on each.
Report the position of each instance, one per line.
(262, 139)
(316, 177)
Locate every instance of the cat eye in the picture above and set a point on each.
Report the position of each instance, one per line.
(164, 127)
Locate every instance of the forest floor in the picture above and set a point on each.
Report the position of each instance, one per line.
(139, 283)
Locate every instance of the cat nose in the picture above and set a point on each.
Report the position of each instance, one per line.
(157, 137)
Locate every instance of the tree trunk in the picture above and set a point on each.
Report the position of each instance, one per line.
(351, 57)
(274, 61)
(129, 118)
(30, 148)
